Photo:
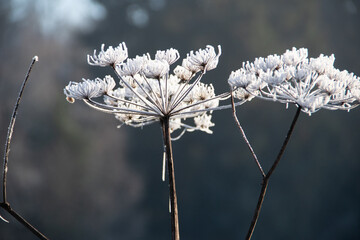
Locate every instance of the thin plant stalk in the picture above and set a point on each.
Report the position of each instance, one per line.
(5, 204)
(244, 135)
(265, 181)
(165, 124)
(20, 219)
(11, 129)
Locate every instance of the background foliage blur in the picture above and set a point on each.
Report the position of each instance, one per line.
(74, 175)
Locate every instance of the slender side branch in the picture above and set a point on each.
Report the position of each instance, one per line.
(265, 182)
(244, 135)
(21, 220)
(170, 164)
(11, 128)
(5, 204)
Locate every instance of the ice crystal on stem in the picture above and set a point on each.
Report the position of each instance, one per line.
(311, 84)
(147, 90)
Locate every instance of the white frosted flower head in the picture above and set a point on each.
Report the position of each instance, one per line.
(156, 68)
(170, 55)
(274, 78)
(322, 63)
(330, 86)
(202, 92)
(173, 83)
(243, 95)
(106, 84)
(203, 59)
(241, 78)
(273, 62)
(183, 73)
(298, 72)
(128, 117)
(203, 123)
(295, 56)
(132, 66)
(269, 63)
(293, 78)
(148, 93)
(82, 90)
(109, 57)
(190, 66)
(245, 84)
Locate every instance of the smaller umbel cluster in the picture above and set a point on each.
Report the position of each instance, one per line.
(311, 84)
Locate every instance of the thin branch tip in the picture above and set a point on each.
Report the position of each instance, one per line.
(35, 58)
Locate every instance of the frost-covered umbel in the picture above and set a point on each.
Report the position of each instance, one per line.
(148, 91)
(311, 84)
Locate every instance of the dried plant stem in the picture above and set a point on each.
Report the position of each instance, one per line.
(170, 164)
(244, 135)
(20, 219)
(266, 178)
(5, 204)
(11, 128)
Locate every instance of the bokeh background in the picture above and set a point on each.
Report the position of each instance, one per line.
(75, 175)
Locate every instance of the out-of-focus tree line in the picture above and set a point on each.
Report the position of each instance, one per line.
(74, 175)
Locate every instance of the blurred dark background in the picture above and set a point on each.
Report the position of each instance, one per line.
(74, 175)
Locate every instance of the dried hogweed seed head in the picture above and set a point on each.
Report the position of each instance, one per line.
(147, 91)
(293, 78)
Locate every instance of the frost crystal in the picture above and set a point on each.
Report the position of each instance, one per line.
(311, 84)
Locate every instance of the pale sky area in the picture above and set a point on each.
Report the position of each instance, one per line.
(59, 15)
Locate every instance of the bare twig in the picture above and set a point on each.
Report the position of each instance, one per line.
(244, 135)
(268, 175)
(11, 128)
(170, 163)
(5, 204)
(21, 220)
